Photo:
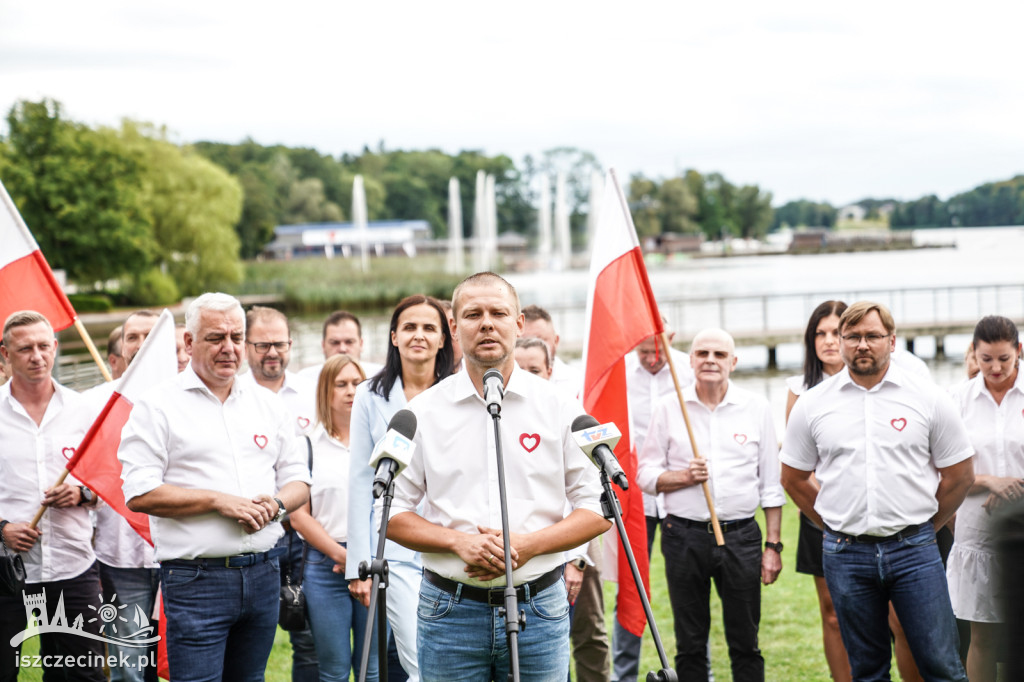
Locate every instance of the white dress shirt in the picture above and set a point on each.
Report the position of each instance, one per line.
(299, 396)
(329, 492)
(31, 459)
(454, 469)
(738, 440)
(643, 391)
(876, 453)
(566, 377)
(179, 433)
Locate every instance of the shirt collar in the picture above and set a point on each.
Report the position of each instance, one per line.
(464, 388)
(976, 386)
(732, 395)
(893, 375)
(190, 381)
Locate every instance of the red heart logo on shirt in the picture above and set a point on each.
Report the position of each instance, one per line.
(68, 453)
(899, 424)
(740, 438)
(303, 422)
(529, 441)
(261, 441)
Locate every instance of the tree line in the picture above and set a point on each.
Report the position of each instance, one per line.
(160, 219)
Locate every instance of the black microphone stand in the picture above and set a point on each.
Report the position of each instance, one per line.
(515, 619)
(610, 506)
(378, 568)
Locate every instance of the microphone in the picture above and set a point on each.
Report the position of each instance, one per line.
(494, 390)
(394, 451)
(597, 441)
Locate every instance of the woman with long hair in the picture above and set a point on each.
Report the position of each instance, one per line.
(821, 360)
(420, 355)
(337, 619)
(991, 404)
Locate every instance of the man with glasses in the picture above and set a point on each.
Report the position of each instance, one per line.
(893, 462)
(268, 348)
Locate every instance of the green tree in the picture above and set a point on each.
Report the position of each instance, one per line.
(193, 205)
(645, 206)
(752, 211)
(679, 207)
(78, 191)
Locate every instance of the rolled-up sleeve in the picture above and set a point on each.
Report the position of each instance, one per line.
(582, 482)
(143, 450)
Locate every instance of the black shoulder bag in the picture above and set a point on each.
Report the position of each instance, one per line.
(12, 570)
(292, 613)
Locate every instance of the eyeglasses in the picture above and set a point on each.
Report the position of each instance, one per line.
(264, 346)
(872, 339)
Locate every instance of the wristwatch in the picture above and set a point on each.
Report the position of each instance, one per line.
(777, 546)
(580, 563)
(88, 496)
(281, 511)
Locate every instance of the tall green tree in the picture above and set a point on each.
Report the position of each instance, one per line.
(79, 192)
(193, 205)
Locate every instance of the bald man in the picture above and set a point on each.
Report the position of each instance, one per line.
(738, 456)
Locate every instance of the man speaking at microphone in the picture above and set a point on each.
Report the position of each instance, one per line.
(453, 473)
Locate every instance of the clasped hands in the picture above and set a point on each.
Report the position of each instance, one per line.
(254, 515)
(484, 554)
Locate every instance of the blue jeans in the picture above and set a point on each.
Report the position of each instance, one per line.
(221, 621)
(132, 588)
(906, 570)
(337, 619)
(462, 639)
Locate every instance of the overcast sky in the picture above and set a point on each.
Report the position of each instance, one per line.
(820, 100)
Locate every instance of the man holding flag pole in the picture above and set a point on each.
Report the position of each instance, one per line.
(621, 313)
(41, 423)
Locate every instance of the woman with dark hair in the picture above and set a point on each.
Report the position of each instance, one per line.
(821, 360)
(991, 404)
(337, 619)
(420, 355)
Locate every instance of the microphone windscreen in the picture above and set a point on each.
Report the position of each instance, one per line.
(584, 421)
(404, 422)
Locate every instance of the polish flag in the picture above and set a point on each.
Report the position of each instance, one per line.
(621, 312)
(26, 280)
(95, 461)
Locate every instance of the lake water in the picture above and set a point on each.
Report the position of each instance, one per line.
(967, 263)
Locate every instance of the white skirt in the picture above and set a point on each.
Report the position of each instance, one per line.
(973, 570)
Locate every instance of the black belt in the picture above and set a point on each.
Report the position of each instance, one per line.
(903, 534)
(726, 526)
(236, 561)
(493, 596)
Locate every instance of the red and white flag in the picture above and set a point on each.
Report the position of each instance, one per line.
(26, 280)
(621, 312)
(95, 461)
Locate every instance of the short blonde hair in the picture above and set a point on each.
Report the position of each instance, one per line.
(856, 312)
(23, 318)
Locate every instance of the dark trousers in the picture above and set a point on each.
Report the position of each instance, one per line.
(692, 560)
(81, 601)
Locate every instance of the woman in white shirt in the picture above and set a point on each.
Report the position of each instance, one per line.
(337, 619)
(991, 404)
(821, 360)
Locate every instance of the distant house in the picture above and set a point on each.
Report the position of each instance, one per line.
(852, 213)
(343, 239)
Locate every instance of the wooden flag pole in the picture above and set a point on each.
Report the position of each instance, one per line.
(92, 350)
(719, 538)
(106, 376)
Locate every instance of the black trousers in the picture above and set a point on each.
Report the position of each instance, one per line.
(692, 560)
(81, 598)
